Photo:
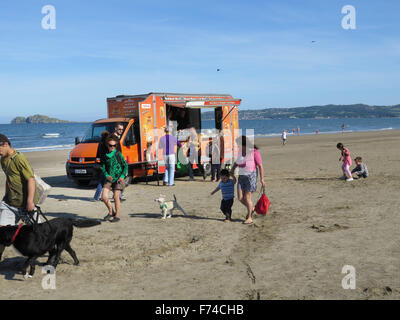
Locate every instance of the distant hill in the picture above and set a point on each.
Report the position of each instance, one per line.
(328, 111)
(37, 118)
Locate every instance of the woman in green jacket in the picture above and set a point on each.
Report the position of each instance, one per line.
(115, 169)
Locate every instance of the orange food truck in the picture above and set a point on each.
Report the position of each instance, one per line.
(144, 117)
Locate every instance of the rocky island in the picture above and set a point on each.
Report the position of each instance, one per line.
(37, 118)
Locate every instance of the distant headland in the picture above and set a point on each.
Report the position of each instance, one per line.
(37, 118)
(316, 112)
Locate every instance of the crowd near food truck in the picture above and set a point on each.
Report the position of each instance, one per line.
(144, 118)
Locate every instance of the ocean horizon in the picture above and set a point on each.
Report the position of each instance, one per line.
(60, 136)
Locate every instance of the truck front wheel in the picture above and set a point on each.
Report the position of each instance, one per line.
(82, 183)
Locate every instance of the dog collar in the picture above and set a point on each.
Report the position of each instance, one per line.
(16, 232)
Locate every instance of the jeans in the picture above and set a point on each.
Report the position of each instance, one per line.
(169, 169)
(215, 168)
(97, 195)
(190, 170)
(226, 208)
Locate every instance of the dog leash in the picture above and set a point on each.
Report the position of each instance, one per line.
(16, 232)
(32, 221)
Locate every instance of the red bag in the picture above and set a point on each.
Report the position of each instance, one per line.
(262, 205)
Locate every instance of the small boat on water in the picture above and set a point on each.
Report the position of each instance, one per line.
(50, 135)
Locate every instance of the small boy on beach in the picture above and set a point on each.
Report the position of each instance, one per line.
(227, 187)
(346, 159)
(284, 137)
(361, 169)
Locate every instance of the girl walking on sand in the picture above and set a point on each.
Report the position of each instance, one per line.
(115, 169)
(346, 159)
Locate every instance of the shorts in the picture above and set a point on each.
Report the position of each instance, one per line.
(114, 185)
(248, 182)
(9, 215)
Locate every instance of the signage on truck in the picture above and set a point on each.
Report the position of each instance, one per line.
(192, 98)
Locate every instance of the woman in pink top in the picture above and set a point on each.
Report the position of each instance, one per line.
(249, 162)
(346, 158)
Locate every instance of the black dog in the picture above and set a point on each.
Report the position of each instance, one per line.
(33, 241)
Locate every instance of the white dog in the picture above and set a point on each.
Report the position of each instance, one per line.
(168, 206)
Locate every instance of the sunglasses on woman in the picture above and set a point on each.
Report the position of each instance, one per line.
(112, 145)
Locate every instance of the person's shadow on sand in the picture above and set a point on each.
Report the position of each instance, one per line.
(62, 197)
(64, 182)
(178, 215)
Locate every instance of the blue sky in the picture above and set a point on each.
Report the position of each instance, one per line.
(264, 49)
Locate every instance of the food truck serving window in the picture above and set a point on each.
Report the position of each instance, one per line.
(184, 117)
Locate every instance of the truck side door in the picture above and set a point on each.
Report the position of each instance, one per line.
(130, 143)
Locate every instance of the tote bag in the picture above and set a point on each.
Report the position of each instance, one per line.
(262, 204)
(42, 189)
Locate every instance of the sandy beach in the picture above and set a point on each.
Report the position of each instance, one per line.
(317, 224)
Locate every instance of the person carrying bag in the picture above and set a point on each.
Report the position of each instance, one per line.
(262, 204)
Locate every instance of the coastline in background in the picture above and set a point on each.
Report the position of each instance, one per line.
(31, 137)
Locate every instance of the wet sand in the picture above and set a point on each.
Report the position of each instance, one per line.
(317, 224)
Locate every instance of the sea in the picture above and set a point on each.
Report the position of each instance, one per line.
(45, 137)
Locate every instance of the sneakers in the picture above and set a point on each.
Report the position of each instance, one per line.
(109, 216)
(115, 219)
(349, 179)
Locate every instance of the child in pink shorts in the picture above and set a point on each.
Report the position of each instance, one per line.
(346, 158)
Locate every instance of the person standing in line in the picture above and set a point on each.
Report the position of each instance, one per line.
(20, 189)
(169, 144)
(193, 148)
(115, 169)
(215, 153)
